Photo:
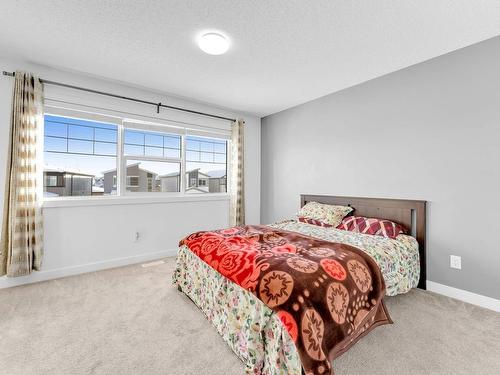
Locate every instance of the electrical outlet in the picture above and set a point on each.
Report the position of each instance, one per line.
(456, 262)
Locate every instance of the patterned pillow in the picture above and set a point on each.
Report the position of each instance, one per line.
(314, 222)
(377, 227)
(325, 213)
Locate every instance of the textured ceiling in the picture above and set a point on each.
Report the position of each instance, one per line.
(283, 52)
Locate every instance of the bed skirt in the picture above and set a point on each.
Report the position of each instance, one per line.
(246, 324)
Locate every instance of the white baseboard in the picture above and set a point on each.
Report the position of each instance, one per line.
(465, 296)
(7, 282)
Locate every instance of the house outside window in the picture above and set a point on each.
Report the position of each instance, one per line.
(67, 183)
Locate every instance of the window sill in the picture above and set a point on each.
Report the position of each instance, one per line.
(130, 199)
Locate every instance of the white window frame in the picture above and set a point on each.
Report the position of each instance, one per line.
(123, 196)
(156, 128)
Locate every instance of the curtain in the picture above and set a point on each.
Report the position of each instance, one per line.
(237, 180)
(21, 247)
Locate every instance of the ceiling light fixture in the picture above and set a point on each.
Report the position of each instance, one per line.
(213, 43)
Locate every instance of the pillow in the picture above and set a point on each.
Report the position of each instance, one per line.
(314, 222)
(325, 213)
(377, 227)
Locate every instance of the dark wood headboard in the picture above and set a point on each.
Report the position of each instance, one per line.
(409, 213)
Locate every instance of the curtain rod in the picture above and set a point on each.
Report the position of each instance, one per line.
(157, 105)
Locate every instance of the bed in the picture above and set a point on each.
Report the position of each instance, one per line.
(265, 336)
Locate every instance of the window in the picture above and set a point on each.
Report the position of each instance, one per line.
(132, 181)
(161, 145)
(76, 152)
(53, 180)
(206, 164)
(155, 158)
(81, 158)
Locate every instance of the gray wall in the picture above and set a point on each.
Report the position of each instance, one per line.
(431, 131)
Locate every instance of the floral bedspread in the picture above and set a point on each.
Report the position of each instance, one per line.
(398, 258)
(250, 328)
(327, 294)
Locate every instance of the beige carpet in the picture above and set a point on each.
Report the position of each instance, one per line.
(132, 321)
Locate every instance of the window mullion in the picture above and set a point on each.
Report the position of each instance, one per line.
(182, 177)
(120, 160)
(154, 158)
(228, 165)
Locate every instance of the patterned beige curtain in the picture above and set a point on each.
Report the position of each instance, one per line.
(237, 206)
(21, 246)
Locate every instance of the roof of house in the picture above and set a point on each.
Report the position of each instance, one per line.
(129, 166)
(66, 170)
(203, 174)
(188, 189)
(173, 174)
(212, 174)
(217, 173)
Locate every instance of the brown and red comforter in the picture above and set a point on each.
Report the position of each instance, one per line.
(327, 295)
